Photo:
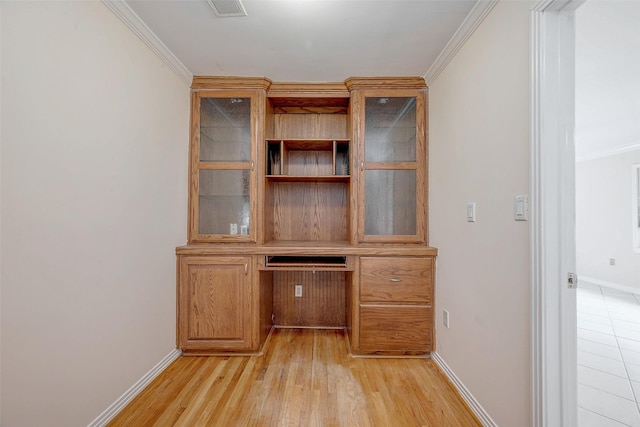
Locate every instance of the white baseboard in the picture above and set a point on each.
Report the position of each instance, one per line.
(474, 405)
(606, 284)
(128, 396)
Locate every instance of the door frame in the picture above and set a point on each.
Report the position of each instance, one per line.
(553, 303)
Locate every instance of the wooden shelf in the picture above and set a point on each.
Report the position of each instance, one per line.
(307, 178)
(305, 158)
(308, 143)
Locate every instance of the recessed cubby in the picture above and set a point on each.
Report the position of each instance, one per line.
(307, 159)
(307, 170)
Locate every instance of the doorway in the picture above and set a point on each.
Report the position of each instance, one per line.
(607, 146)
(554, 323)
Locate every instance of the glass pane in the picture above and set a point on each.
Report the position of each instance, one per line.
(223, 202)
(225, 129)
(390, 207)
(390, 129)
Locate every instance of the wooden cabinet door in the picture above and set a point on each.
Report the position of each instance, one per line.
(392, 165)
(225, 128)
(214, 304)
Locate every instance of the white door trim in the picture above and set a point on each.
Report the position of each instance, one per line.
(553, 309)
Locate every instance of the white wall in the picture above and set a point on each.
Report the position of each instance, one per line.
(607, 133)
(94, 192)
(479, 152)
(604, 220)
(607, 83)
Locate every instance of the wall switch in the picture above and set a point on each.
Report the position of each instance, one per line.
(521, 208)
(445, 318)
(298, 292)
(471, 212)
(612, 261)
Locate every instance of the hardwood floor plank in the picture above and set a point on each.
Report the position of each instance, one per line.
(305, 378)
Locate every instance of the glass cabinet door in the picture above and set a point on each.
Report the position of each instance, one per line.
(393, 169)
(222, 167)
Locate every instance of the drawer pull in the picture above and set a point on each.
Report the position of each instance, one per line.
(395, 280)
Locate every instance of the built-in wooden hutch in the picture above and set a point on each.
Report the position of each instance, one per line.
(307, 208)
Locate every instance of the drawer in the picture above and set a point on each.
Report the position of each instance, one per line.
(403, 329)
(396, 279)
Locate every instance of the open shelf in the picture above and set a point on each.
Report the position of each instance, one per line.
(308, 178)
(308, 159)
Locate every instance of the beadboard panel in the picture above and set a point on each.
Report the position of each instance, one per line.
(322, 303)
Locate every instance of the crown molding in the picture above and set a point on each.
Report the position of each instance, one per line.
(122, 10)
(475, 17)
(385, 83)
(230, 82)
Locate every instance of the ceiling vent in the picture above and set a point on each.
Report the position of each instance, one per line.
(227, 8)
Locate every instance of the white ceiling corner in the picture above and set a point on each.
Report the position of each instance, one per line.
(312, 40)
(122, 10)
(475, 17)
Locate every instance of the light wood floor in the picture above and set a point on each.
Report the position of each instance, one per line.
(304, 378)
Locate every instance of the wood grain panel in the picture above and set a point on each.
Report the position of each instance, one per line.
(304, 378)
(309, 163)
(290, 126)
(265, 304)
(405, 329)
(332, 126)
(312, 126)
(215, 304)
(309, 211)
(394, 279)
(322, 302)
(212, 302)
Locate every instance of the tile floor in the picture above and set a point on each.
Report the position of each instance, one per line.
(608, 357)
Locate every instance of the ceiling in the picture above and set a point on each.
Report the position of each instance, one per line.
(306, 40)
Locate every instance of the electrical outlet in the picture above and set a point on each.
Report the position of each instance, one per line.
(298, 292)
(445, 318)
(612, 261)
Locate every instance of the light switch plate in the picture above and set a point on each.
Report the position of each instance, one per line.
(471, 212)
(521, 208)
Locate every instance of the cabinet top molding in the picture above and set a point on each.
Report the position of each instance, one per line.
(227, 82)
(306, 89)
(385, 83)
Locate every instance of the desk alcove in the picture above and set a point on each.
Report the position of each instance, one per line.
(320, 186)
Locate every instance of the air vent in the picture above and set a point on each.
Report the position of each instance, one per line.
(227, 8)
